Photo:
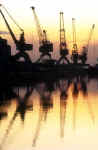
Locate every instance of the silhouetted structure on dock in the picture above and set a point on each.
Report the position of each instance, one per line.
(5, 51)
(45, 67)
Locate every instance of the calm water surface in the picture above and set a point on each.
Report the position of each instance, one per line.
(61, 115)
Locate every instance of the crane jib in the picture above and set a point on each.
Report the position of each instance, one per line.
(12, 34)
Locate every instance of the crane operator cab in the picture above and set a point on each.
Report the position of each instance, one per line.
(63, 49)
(46, 46)
(83, 55)
(74, 57)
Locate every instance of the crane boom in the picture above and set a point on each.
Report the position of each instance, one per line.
(90, 35)
(10, 30)
(83, 55)
(12, 18)
(40, 33)
(74, 30)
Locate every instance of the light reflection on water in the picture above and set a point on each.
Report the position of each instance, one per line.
(50, 115)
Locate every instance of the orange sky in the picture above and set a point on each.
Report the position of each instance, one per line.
(85, 13)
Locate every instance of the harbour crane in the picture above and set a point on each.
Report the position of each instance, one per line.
(45, 46)
(63, 45)
(75, 55)
(21, 45)
(83, 55)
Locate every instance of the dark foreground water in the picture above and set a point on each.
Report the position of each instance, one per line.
(61, 115)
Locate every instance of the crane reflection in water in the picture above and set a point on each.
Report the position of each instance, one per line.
(83, 88)
(63, 86)
(22, 107)
(69, 91)
(46, 103)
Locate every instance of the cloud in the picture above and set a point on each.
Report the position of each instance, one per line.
(4, 32)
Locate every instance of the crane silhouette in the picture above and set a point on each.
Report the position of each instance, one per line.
(46, 103)
(45, 46)
(21, 45)
(21, 109)
(63, 45)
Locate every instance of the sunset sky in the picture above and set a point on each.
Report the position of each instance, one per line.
(84, 11)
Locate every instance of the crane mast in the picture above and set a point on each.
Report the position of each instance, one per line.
(75, 49)
(90, 35)
(63, 45)
(74, 35)
(45, 46)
